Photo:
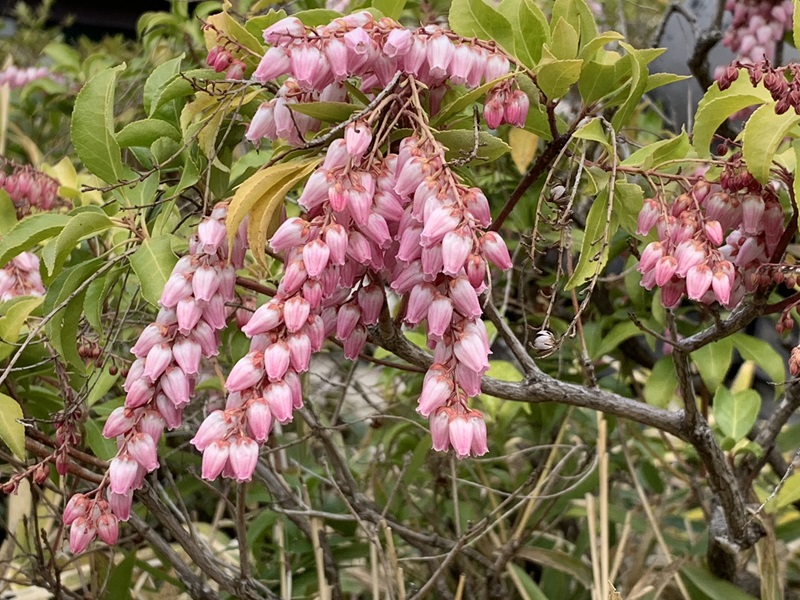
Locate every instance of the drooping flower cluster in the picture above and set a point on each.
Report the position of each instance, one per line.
(15, 77)
(370, 219)
(375, 51)
(713, 240)
(757, 26)
(21, 277)
(28, 188)
(220, 59)
(160, 383)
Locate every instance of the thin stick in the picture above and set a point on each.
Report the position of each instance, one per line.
(591, 517)
(603, 456)
(462, 580)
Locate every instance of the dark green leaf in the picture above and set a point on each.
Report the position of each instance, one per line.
(29, 232)
(163, 73)
(330, 112)
(92, 127)
(145, 132)
(461, 142)
(84, 224)
(600, 227)
(475, 18)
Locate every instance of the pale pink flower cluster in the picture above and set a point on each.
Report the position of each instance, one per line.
(160, 382)
(319, 59)
(711, 243)
(15, 77)
(28, 189)
(400, 219)
(21, 277)
(757, 26)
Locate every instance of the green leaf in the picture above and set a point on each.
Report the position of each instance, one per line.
(594, 132)
(796, 25)
(120, 581)
(163, 73)
(391, 8)
(62, 328)
(465, 100)
(528, 586)
(653, 155)
(556, 77)
(578, 14)
(629, 198)
(475, 18)
(606, 78)
(711, 586)
(716, 106)
(153, 263)
(638, 86)
(315, 17)
(713, 362)
(788, 494)
(12, 432)
(589, 50)
(29, 232)
(762, 134)
(8, 213)
(258, 24)
(16, 312)
(564, 44)
(600, 227)
(736, 414)
(84, 224)
(618, 334)
(181, 86)
(145, 132)
(763, 354)
(460, 142)
(330, 112)
(92, 127)
(531, 31)
(95, 297)
(101, 447)
(662, 383)
(657, 80)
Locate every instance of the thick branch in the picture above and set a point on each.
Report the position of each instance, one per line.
(539, 387)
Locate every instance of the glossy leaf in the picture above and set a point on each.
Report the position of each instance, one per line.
(762, 134)
(556, 77)
(531, 31)
(391, 8)
(265, 214)
(637, 87)
(461, 142)
(145, 132)
(716, 106)
(162, 74)
(84, 224)
(736, 414)
(475, 18)
(257, 187)
(601, 224)
(763, 354)
(12, 432)
(92, 127)
(29, 232)
(153, 263)
(15, 313)
(69, 290)
(713, 361)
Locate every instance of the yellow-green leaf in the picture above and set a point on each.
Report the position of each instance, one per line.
(762, 134)
(12, 432)
(555, 78)
(256, 187)
(600, 227)
(716, 106)
(264, 217)
(523, 147)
